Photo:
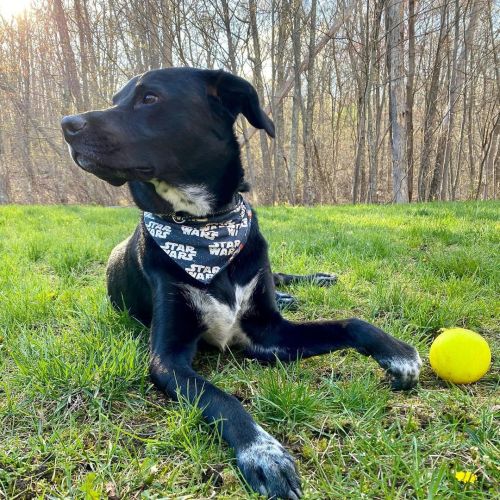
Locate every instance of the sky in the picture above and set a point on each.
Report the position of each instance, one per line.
(9, 8)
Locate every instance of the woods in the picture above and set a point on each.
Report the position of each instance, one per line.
(378, 101)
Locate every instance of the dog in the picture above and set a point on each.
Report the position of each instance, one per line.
(196, 267)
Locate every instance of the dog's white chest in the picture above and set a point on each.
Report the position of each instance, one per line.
(220, 320)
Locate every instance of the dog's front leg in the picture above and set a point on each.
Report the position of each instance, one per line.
(288, 341)
(264, 463)
(274, 337)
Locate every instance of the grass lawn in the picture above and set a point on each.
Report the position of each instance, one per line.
(79, 418)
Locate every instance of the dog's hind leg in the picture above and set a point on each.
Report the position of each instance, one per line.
(127, 286)
(318, 279)
(287, 302)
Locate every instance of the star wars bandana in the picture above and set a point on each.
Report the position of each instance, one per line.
(202, 246)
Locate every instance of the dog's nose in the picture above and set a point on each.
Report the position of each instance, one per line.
(72, 125)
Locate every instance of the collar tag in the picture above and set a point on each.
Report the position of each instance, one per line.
(178, 219)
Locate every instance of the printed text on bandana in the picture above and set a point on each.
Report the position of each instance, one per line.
(224, 247)
(202, 273)
(179, 251)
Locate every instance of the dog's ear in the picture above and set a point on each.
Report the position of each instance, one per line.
(238, 96)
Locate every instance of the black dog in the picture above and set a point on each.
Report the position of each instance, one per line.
(169, 134)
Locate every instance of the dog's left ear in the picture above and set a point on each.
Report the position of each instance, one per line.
(238, 96)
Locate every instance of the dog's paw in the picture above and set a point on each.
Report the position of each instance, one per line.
(286, 302)
(323, 279)
(268, 468)
(403, 368)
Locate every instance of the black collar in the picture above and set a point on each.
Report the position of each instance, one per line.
(182, 216)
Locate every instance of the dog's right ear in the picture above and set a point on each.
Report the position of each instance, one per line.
(238, 96)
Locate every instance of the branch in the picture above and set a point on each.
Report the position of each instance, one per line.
(304, 65)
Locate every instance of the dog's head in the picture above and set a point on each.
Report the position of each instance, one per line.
(171, 127)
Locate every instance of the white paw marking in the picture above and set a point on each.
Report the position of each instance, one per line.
(274, 466)
(405, 369)
(221, 320)
(264, 452)
(263, 449)
(193, 199)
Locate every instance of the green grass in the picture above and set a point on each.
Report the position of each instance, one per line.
(79, 418)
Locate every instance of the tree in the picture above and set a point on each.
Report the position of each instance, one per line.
(410, 85)
(333, 78)
(259, 85)
(430, 114)
(397, 108)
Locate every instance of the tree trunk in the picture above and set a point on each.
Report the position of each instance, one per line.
(308, 189)
(297, 103)
(167, 58)
(430, 114)
(456, 88)
(277, 104)
(409, 94)
(373, 128)
(231, 51)
(67, 53)
(84, 65)
(259, 85)
(488, 142)
(470, 135)
(4, 188)
(397, 111)
(490, 162)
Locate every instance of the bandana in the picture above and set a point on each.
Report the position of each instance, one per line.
(202, 246)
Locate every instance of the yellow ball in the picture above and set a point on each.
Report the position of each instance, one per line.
(460, 356)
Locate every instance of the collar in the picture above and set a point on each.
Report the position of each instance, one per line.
(187, 217)
(202, 246)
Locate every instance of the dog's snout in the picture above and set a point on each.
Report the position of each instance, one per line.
(72, 125)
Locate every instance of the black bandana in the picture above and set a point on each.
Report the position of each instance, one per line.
(202, 246)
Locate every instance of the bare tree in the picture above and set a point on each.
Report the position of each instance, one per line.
(355, 121)
(308, 193)
(297, 100)
(68, 56)
(397, 108)
(441, 170)
(410, 84)
(430, 114)
(259, 85)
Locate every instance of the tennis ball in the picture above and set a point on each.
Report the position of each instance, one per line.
(460, 356)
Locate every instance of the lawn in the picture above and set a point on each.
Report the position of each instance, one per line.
(79, 418)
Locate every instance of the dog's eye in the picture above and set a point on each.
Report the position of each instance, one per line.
(150, 98)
